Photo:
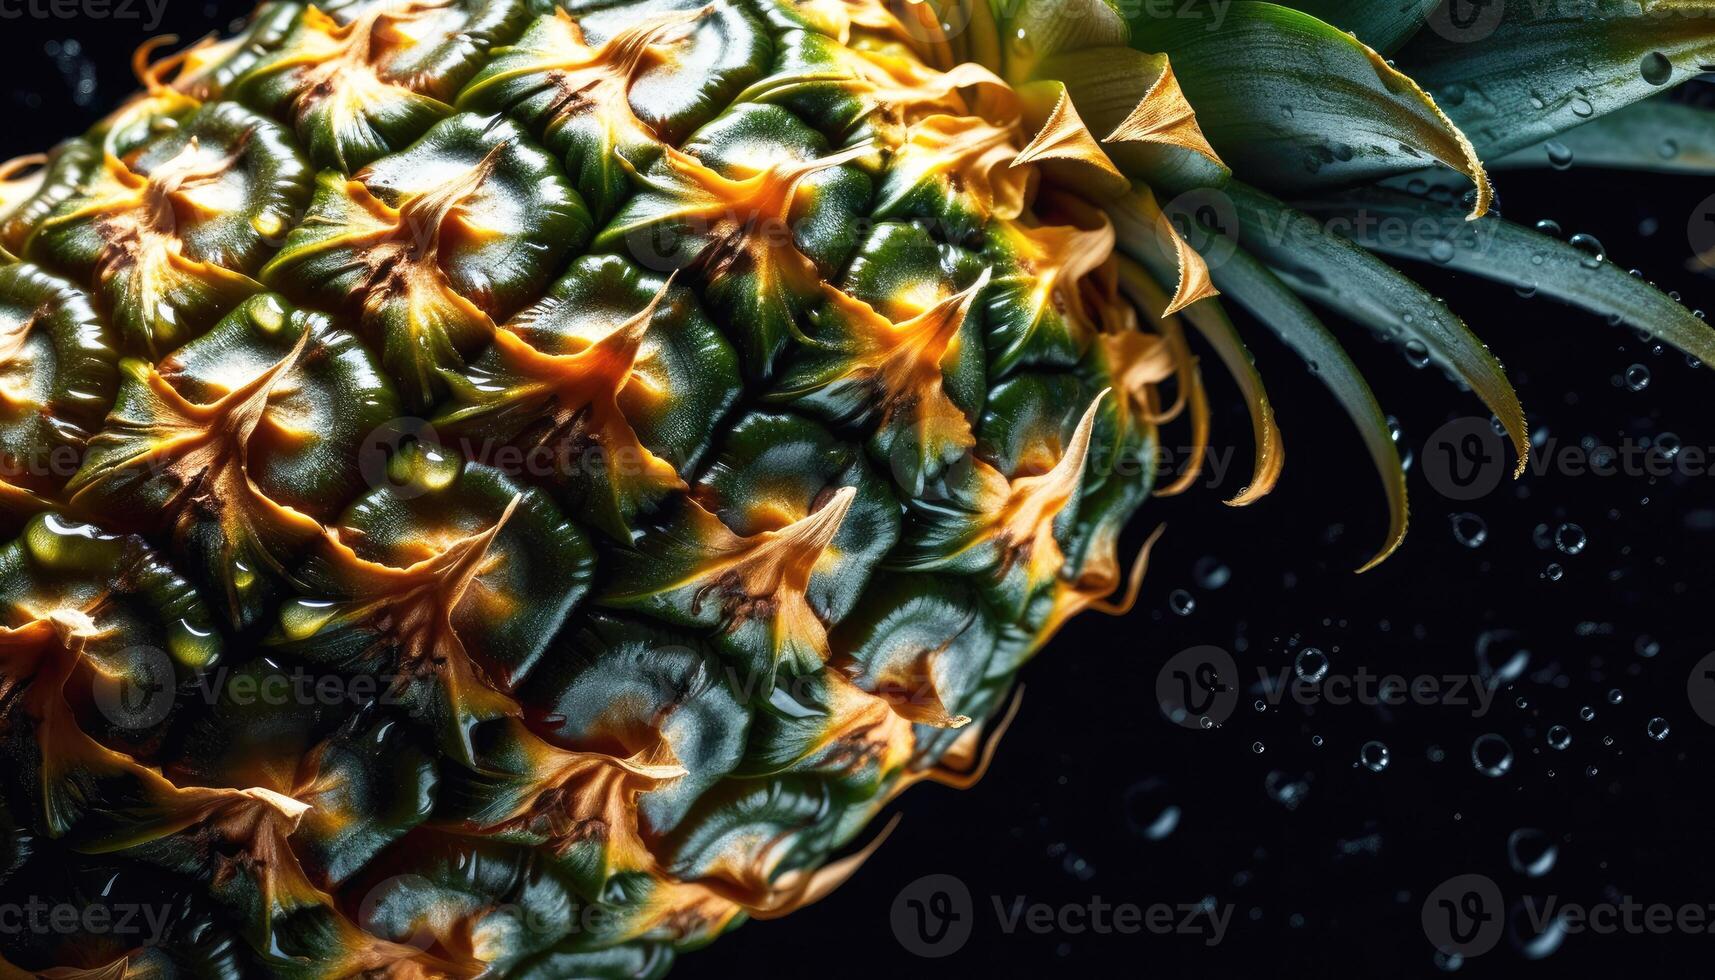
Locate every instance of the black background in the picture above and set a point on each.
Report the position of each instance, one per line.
(1334, 885)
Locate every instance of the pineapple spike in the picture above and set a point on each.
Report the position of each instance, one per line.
(1164, 116)
(810, 888)
(991, 746)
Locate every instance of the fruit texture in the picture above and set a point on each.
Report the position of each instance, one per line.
(498, 489)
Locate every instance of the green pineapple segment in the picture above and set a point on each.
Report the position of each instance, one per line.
(653, 440)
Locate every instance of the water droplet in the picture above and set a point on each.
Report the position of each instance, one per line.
(1587, 713)
(1657, 728)
(1149, 811)
(1469, 529)
(1646, 645)
(1582, 108)
(1615, 696)
(1553, 572)
(1501, 657)
(1637, 377)
(1559, 737)
(1667, 444)
(1316, 740)
(1667, 149)
(1211, 573)
(1441, 251)
(1656, 68)
(1570, 539)
(1594, 253)
(1285, 790)
(1311, 665)
(1257, 747)
(1416, 354)
(1549, 227)
(1531, 852)
(1559, 155)
(1181, 602)
(1374, 756)
(1491, 754)
(1525, 289)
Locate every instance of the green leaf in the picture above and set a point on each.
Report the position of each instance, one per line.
(1212, 322)
(1382, 24)
(1032, 30)
(1335, 272)
(1545, 68)
(1311, 107)
(1500, 250)
(1658, 136)
(1249, 282)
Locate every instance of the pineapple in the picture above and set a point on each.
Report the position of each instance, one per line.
(504, 489)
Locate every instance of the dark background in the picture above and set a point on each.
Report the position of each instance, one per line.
(1332, 884)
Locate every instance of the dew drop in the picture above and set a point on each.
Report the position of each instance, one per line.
(1181, 602)
(1553, 572)
(1374, 756)
(1469, 529)
(1441, 252)
(1559, 737)
(1616, 696)
(1531, 852)
(1656, 68)
(1559, 155)
(1492, 756)
(1416, 353)
(1148, 810)
(1311, 665)
(1587, 713)
(1657, 728)
(1549, 226)
(1594, 253)
(1211, 573)
(1570, 539)
(1637, 377)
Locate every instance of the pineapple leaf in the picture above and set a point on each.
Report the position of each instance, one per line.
(1313, 108)
(1503, 251)
(1654, 135)
(1330, 269)
(1212, 322)
(1543, 69)
(1382, 24)
(1253, 286)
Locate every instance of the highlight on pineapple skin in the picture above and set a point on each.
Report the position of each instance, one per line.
(506, 489)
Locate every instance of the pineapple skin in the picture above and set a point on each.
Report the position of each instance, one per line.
(504, 490)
